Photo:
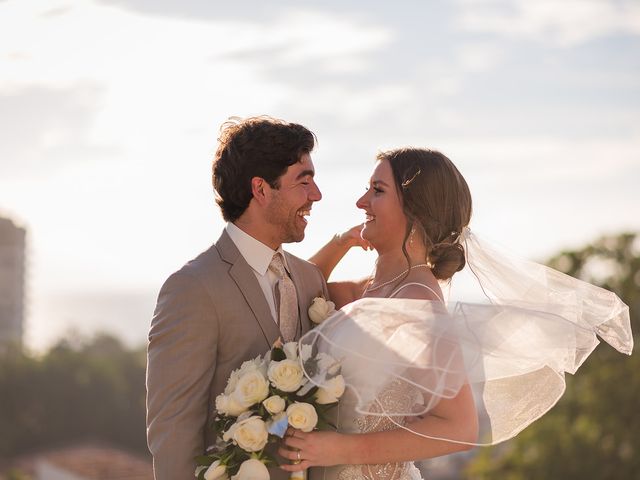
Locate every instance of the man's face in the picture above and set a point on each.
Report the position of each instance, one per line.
(293, 200)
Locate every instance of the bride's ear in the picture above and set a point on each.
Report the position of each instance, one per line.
(260, 189)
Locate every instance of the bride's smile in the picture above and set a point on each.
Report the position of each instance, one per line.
(385, 224)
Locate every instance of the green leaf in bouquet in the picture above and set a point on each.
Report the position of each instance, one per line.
(308, 393)
(223, 423)
(267, 458)
(324, 424)
(238, 456)
(286, 395)
(232, 470)
(205, 460)
(323, 408)
(201, 474)
(277, 354)
(229, 455)
(323, 421)
(311, 366)
(261, 411)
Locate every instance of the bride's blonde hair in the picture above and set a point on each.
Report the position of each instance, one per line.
(436, 202)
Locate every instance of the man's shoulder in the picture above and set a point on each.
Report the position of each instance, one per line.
(302, 265)
(204, 266)
(201, 263)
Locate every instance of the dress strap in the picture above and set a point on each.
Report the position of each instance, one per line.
(415, 283)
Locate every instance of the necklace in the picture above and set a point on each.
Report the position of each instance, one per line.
(369, 288)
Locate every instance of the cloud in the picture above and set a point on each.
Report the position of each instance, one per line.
(354, 107)
(251, 10)
(56, 11)
(182, 73)
(44, 128)
(479, 56)
(203, 9)
(547, 160)
(564, 24)
(314, 41)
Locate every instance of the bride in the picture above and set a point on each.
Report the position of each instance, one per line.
(409, 362)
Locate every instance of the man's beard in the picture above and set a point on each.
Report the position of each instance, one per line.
(285, 222)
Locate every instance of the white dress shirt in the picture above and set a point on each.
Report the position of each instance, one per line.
(258, 256)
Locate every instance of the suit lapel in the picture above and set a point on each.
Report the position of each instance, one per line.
(304, 323)
(243, 276)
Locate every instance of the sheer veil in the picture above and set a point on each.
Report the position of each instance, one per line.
(513, 351)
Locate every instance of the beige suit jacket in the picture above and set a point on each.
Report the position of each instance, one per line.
(211, 316)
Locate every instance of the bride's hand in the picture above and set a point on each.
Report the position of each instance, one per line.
(314, 449)
(352, 238)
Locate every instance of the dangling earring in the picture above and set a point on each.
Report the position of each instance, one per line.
(413, 230)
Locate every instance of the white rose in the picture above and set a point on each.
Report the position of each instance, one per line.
(291, 350)
(327, 364)
(251, 388)
(274, 404)
(302, 416)
(253, 365)
(216, 471)
(286, 375)
(227, 405)
(252, 469)
(305, 352)
(249, 365)
(246, 367)
(249, 434)
(232, 382)
(261, 362)
(320, 309)
(331, 391)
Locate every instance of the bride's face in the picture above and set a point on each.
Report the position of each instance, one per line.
(385, 223)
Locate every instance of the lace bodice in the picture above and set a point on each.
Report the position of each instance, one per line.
(398, 396)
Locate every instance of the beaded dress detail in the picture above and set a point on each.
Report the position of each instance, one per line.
(397, 396)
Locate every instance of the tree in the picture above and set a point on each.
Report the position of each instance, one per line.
(594, 431)
(91, 392)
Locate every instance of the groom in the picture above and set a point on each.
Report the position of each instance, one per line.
(233, 301)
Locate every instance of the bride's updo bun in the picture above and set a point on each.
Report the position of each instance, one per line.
(446, 259)
(437, 203)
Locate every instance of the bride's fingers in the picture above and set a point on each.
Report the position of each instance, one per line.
(303, 465)
(294, 442)
(295, 433)
(289, 454)
(352, 238)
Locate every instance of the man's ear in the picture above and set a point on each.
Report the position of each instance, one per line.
(261, 190)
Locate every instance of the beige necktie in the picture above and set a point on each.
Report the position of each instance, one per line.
(288, 300)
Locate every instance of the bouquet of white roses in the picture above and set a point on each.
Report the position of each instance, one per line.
(262, 399)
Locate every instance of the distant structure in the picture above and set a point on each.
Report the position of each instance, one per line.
(81, 462)
(12, 280)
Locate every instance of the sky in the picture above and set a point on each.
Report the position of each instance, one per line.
(110, 110)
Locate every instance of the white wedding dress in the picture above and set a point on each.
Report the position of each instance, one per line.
(398, 396)
(400, 357)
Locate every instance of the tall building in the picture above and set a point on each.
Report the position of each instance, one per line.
(12, 280)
